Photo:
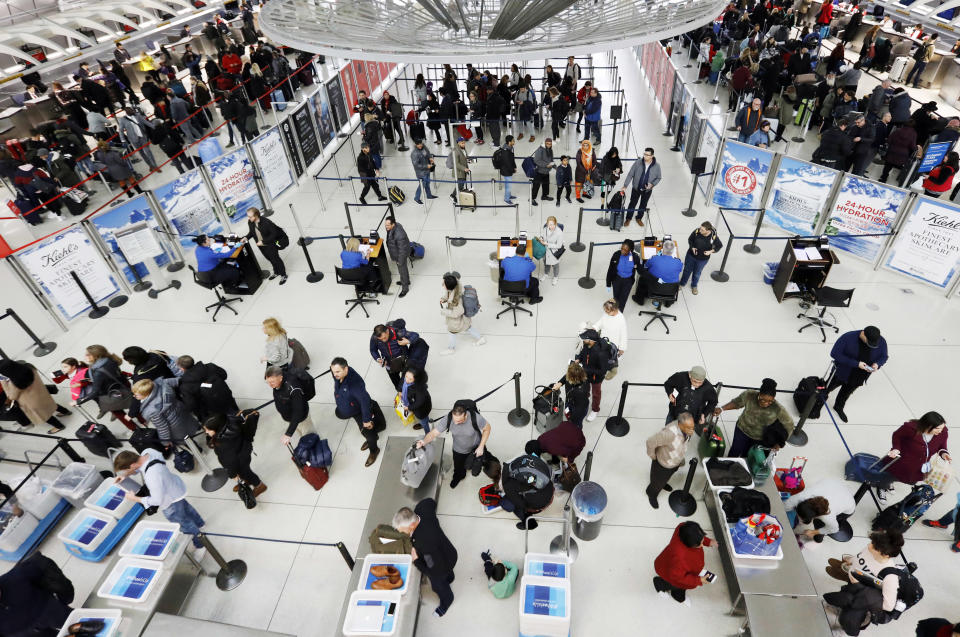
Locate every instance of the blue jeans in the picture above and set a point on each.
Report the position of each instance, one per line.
(181, 512)
(426, 424)
(918, 70)
(692, 267)
(425, 180)
(506, 188)
(594, 126)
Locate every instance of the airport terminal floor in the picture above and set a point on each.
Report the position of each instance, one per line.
(736, 330)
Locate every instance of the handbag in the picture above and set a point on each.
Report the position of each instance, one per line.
(117, 398)
(539, 249)
(405, 415)
(569, 477)
(75, 194)
(611, 373)
(940, 473)
(246, 494)
(558, 252)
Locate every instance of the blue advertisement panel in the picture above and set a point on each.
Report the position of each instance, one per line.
(928, 244)
(798, 196)
(232, 177)
(189, 207)
(129, 230)
(741, 177)
(863, 207)
(934, 154)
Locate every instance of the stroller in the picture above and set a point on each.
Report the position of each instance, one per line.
(901, 516)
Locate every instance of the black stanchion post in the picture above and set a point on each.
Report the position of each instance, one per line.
(618, 426)
(97, 311)
(587, 467)
(682, 502)
(577, 246)
(42, 348)
(345, 554)
(314, 276)
(586, 282)
(719, 275)
(518, 416)
(689, 210)
(752, 247)
(65, 447)
(141, 284)
(231, 573)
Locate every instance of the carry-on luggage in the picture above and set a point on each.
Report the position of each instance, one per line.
(712, 443)
(146, 438)
(870, 470)
(417, 250)
(547, 408)
(300, 359)
(468, 199)
(790, 480)
(76, 208)
(899, 69)
(316, 477)
(97, 439)
(805, 390)
(416, 464)
(396, 195)
(901, 516)
(314, 451)
(616, 219)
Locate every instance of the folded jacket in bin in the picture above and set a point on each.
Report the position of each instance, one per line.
(728, 473)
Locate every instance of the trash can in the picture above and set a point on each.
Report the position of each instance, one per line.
(589, 502)
(494, 267)
(770, 271)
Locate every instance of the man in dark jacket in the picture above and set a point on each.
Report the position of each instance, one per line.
(290, 400)
(398, 245)
(28, 606)
(204, 389)
(433, 554)
(594, 357)
(393, 116)
(393, 347)
(901, 148)
(748, 119)
(496, 107)
(621, 273)
(861, 134)
(353, 401)
(835, 146)
(148, 365)
(508, 166)
(856, 356)
(690, 392)
(368, 172)
(799, 63)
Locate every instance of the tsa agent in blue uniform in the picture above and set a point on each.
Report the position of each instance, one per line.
(211, 264)
(520, 268)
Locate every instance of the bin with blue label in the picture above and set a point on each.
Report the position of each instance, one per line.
(151, 540)
(86, 532)
(546, 565)
(544, 607)
(131, 580)
(109, 499)
(372, 614)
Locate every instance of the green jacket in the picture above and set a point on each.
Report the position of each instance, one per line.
(754, 417)
(504, 588)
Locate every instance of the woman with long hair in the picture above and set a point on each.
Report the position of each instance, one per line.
(451, 307)
(276, 350)
(107, 385)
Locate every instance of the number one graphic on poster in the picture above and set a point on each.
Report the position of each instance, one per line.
(97, 311)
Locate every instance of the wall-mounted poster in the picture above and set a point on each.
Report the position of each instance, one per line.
(385, 69)
(189, 207)
(709, 147)
(338, 105)
(863, 207)
(130, 228)
(51, 261)
(691, 141)
(360, 78)
(373, 75)
(320, 107)
(306, 135)
(268, 151)
(798, 195)
(232, 177)
(740, 180)
(290, 141)
(928, 244)
(349, 86)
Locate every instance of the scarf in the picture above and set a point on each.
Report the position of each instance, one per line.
(587, 157)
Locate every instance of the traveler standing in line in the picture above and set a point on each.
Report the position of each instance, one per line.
(433, 554)
(470, 432)
(393, 347)
(572, 71)
(595, 359)
(368, 171)
(423, 166)
(451, 307)
(901, 148)
(104, 374)
(267, 234)
(702, 243)
(353, 401)
(856, 355)
(559, 109)
(690, 392)
(543, 159)
(290, 399)
(507, 167)
(642, 177)
(478, 111)
(761, 412)
(461, 167)
(835, 146)
(204, 390)
(415, 397)
(576, 393)
(553, 241)
(564, 178)
(26, 398)
(582, 95)
(915, 443)
(160, 405)
(592, 110)
(622, 272)
(679, 566)
(231, 438)
(398, 245)
(667, 450)
(496, 108)
(586, 164)
(276, 350)
(612, 325)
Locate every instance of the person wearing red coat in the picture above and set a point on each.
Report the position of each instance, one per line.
(826, 14)
(565, 441)
(680, 566)
(915, 443)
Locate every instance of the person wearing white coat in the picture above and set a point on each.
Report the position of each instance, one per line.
(553, 240)
(613, 325)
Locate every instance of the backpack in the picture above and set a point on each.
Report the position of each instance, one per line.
(529, 167)
(305, 380)
(283, 241)
(300, 359)
(470, 301)
(909, 591)
(616, 202)
(416, 250)
(471, 407)
(901, 516)
(533, 479)
(246, 423)
(450, 160)
(742, 503)
(489, 496)
(183, 461)
(612, 353)
(497, 159)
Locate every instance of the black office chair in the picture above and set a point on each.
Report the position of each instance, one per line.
(365, 290)
(511, 294)
(222, 301)
(825, 297)
(662, 293)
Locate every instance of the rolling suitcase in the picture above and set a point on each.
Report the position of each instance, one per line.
(547, 408)
(396, 195)
(416, 464)
(97, 439)
(146, 438)
(316, 477)
(899, 69)
(616, 219)
(712, 442)
(805, 390)
(468, 199)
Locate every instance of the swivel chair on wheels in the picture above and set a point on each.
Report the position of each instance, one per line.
(365, 289)
(511, 294)
(662, 293)
(222, 301)
(825, 297)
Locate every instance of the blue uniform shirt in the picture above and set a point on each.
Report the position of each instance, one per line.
(208, 258)
(352, 259)
(625, 266)
(517, 268)
(665, 268)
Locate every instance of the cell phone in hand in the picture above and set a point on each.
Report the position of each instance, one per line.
(710, 576)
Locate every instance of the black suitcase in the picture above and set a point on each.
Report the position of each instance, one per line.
(76, 208)
(417, 131)
(616, 219)
(805, 389)
(97, 439)
(146, 438)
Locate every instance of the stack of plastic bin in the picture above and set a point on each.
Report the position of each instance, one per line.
(545, 596)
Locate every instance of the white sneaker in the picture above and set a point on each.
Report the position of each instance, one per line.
(686, 602)
(554, 280)
(447, 351)
(199, 553)
(592, 416)
(480, 341)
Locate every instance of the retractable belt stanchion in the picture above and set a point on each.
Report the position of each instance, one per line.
(303, 242)
(42, 348)
(716, 90)
(586, 281)
(617, 426)
(231, 573)
(518, 416)
(448, 241)
(97, 311)
(141, 285)
(577, 246)
(752, 247)
(682, 502)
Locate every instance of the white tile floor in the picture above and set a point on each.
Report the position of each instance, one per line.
(736, 330)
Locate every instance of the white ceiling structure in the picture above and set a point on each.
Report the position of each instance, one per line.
(509, 30)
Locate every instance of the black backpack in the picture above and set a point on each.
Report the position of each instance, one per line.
(497, 159)
(304, 379)
(533, 479)
(616, 201)
(245, 423)
(471, 407)
(741, 503)
(805, 389)
(283, 241)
